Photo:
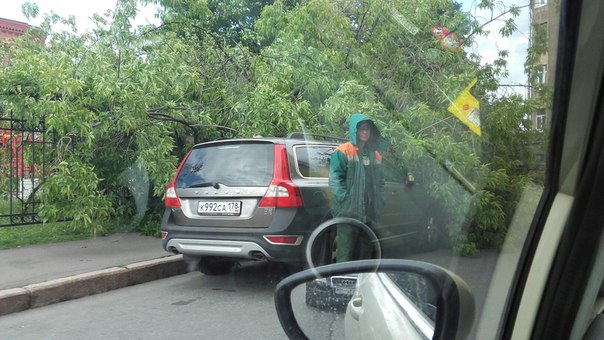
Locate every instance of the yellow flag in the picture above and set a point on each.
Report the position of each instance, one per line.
(467, 108)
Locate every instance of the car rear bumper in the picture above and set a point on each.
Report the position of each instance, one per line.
(253, 247)
(205, 247)
(238, 243)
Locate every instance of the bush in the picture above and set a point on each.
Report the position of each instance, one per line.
(150, 224)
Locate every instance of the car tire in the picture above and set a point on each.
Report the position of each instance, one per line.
(324, 249)
(215, 266)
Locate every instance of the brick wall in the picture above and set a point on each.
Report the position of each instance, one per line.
(11, 29)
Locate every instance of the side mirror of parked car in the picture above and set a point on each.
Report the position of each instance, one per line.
(410, 180)
(383, 298)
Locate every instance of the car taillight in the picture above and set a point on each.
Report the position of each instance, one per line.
(164, 234)
(292, 240)
(281, 195)
(281, 192)
(171, 200)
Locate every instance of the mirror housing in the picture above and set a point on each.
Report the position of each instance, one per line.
(455, 303)
(410, 180)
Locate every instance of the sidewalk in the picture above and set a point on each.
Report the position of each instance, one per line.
(39, 275)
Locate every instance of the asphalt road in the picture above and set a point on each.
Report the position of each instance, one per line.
(235, 306)
(190, 306)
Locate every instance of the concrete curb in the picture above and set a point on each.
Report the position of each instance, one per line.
(77, 286)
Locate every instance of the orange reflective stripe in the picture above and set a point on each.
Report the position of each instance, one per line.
(348, 150)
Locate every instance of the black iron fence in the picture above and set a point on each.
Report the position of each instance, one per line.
(25, 147)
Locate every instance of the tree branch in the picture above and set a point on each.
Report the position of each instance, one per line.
(222, 127)
(490, 21)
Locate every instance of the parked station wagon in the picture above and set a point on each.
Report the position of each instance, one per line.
(260, 198)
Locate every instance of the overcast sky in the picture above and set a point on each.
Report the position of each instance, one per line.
(82, 10)
(487, 47)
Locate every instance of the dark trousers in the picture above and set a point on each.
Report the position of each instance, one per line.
(353, 243)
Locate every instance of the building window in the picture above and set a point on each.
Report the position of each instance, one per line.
(539, 3)
(540, 120)
(541, 72)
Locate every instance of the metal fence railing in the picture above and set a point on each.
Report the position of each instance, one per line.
(25, 148)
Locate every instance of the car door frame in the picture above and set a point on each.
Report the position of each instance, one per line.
(558, 257)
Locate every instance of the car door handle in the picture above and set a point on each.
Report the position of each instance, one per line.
(356, 307)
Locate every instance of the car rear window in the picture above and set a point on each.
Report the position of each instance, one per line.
(313, 160)
(249, 165)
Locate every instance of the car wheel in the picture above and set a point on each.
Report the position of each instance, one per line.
(430, 234)
(215, 266)
(324, 248)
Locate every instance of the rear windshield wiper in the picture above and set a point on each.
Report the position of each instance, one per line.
(216, 185)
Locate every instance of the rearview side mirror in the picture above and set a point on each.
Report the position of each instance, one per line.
(385, 298)
(410, 180)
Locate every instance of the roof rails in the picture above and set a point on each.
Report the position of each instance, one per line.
(314, 136)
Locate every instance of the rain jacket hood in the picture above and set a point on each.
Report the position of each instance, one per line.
(357, 118)
(376, 141)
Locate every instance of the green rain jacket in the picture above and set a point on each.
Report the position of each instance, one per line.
(347, 176)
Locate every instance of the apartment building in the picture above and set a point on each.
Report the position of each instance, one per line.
(546, 14)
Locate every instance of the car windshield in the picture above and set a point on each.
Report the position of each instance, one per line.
(428, 121)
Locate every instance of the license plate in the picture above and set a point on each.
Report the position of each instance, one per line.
(344, 291)
(226, 208)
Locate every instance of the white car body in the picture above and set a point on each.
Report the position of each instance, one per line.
(380, 310)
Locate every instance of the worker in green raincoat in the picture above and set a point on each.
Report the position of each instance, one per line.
(357, 183)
